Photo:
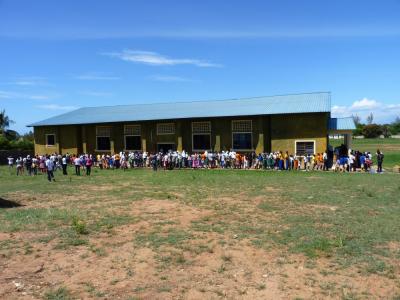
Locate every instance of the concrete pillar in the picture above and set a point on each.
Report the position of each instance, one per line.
(84, 149)
(112, 148)
(260, 144)
(180, 146)
(348, 140)
(217, 146)
(144, 145)
(178, 129)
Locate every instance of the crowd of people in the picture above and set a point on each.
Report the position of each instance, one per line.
(339, 159)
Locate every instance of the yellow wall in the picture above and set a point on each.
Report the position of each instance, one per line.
(286, 129)
(270, 133)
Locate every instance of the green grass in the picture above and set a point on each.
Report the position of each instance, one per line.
(349, 219)
(390, 147)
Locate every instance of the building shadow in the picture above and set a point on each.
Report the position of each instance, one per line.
(8, 203)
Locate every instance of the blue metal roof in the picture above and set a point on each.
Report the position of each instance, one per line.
(282, 104)
(342, 124)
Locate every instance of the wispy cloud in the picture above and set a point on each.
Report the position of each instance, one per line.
(382, 112)
(54, 106)
(166, 78)
(95, 94)
(22, 96)
(156, 59)
(28, 81)
(96, 76)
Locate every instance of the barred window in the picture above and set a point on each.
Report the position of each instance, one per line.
(201, 127)
(305, 147)
(132, 130)
(165, 128)
(103, 131)
(242, 126)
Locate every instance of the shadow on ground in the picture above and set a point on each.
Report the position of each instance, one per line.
(8, 204)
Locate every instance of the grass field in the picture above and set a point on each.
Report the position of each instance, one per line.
(202, 234)
(390, 147)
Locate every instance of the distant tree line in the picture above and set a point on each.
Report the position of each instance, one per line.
(10, 139)
(373, 130)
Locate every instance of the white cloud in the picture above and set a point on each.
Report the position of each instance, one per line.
(383, 113)
(56, 107)
(21, 96)
(156, 59)
(166, 78)
(365, 104)
(96, 76)
(28, 81)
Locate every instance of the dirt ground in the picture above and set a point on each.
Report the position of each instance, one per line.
(203, 265)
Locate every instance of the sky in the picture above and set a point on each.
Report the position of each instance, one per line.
(56, 56)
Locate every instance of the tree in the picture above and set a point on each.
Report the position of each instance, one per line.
(370, 119)
(395, 126)
(356, 119)
(386, 130)
(372, 131)
(4, 121)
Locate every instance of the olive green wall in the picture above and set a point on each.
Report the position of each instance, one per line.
(287, 129)
(275, 132)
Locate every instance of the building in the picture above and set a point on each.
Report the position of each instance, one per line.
(298, 123)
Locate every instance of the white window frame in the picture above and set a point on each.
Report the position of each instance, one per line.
(126, 135)
(304, 141)
(97, 136)
(171, 123)
(55, 142)
(251, 135)
(201, 133)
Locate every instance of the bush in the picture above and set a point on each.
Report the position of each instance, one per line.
(372, 131)
(4, 143)
(79, 226)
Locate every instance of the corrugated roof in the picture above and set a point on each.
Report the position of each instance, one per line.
(282, 104)
(342, 124)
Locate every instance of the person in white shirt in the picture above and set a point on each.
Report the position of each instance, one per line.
(10, 162)
(64, 165)
(50, 169)
(77, 163)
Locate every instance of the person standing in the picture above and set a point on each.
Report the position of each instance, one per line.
(64, 165)
(20, 167)
(50, 169)
(77, 163)
(379, 158)
(89, 163)
(28, 163)
(10, 163)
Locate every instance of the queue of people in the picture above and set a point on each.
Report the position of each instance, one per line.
(340, 159)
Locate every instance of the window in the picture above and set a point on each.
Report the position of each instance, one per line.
(133, 142)
(242, 135)
(201, 135)
(103, 134)
(133, 139)
(165, 128)
(305, 147)
(132, 130)
(50, 140)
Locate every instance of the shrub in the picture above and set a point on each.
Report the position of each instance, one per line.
(79, 226)
(372, 131)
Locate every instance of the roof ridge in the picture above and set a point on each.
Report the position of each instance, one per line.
(216, 100)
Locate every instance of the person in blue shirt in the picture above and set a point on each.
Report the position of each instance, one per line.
(362, 161)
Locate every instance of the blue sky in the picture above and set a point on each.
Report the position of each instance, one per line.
(59, 55)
